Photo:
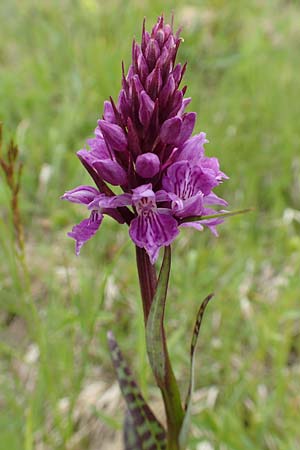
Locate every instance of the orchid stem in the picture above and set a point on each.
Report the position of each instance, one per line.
(154, 308)
(147, 279)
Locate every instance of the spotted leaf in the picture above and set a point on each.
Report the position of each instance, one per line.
(142, 431)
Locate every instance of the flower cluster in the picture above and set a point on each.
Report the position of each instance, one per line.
(144, 144)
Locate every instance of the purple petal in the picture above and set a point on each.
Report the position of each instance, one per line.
(170, 130)
(177, 73)
(167, 91)
(85, 230)
(103, 202)
(210, 223)
(81, 194)
(109, 114)
(160, 37)
(119, 201)
(193, 148)
(147, 165)
(213, 199)
(137, 84)
(152, 232)
(98, 146)
(196, 225)
(192, 206)
(144, 191)
(203, 181)
(142, 67)
(145, 39)
(176, 103)
(186, 180)
(154, 82)
(123, 105)
(185, 103)
(97, 152)
(113, 135)
(111, 172)
(152, 53)
(163, 196)
(188, 123)
(213, 164)
(146, 108)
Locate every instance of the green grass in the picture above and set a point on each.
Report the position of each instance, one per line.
(59, 61)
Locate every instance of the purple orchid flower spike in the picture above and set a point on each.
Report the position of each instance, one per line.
(144, 144)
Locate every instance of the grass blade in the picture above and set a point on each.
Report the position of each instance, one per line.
(188, 402)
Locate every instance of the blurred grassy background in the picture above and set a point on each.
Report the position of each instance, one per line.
(59, 61)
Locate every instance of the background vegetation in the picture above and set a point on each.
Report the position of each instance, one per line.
(59, 61)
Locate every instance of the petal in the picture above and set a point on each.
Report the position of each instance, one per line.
(111, 171)
(164, 196)
(98, 146)
(123, 105)
(177, 73)
(86, 229)
(154, 82)
(81, 194)
(104, 202)
(185, 103)
(109, 114)
(202, 180)
(170, 130)
(213, 199)
(152, 232)
(187, 180)
(147, 165)
(136, 84)
(152, 53)
(113, 135)
(196, 225)
(192, 206)
(146, 108)
(142, 67)
(167, 91)
(176, 105)
(212, 223)
(116, 202)
(193, 148)
(99, 151)
(188, 123)
(213, 164)
(142, 191)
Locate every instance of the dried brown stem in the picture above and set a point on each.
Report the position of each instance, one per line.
(12, 169)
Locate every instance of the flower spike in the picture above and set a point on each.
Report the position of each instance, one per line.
(144, 144)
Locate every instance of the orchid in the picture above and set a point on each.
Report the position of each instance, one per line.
(144, 145)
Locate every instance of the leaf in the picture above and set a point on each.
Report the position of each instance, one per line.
(158, 354)
(130, 436)
(142, 430)
(188, 402)
(155, 335)
(219, 215)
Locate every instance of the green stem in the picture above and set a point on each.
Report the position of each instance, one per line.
(159, 356)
